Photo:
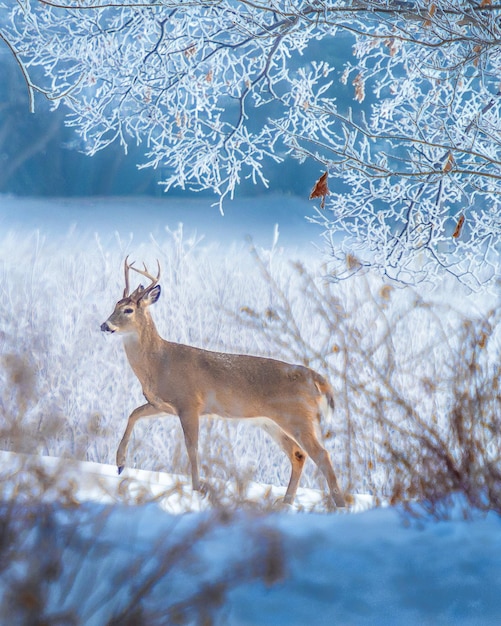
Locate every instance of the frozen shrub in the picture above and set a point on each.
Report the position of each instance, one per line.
(417, 416)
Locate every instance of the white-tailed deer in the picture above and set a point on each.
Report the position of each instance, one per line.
(190, 382)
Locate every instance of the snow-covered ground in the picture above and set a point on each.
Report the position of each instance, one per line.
(99, 482)
(245, 568)
(177, 559)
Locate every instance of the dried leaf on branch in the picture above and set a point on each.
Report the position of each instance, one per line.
(459, 227)
(359, 84)
(321, 189)
(449, 164)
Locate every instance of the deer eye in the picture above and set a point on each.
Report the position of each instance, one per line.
(128, 311)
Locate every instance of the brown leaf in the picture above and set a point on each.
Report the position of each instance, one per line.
(459, 227)
(321, 189)
(483, 339)
(359, 84)
(391, 44)
(449, 164)
(352, 262)
(477, 50)
(385, 292)
(189, 52)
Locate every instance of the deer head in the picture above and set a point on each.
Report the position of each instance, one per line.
(131, 310)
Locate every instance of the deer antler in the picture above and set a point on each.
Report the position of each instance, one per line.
(126, 272)
(146, 274)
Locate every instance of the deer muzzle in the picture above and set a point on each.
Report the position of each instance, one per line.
(106, 328)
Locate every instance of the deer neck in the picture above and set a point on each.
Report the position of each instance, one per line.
(142, 346)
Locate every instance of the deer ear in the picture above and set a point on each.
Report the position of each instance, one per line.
(135, 295)
(150, 297)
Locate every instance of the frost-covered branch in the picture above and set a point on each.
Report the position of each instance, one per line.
(215, 90)
(24, 71)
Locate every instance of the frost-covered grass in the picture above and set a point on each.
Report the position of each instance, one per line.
(66, 389)
(404, 364)
(416, 375)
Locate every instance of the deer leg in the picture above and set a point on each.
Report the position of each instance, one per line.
(308, 440)
(322, 459)
(189, 423)
(296, 456)
(146, 410)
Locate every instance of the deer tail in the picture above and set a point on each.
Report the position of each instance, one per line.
(325, 388)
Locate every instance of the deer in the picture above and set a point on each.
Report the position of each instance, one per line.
(287, 400)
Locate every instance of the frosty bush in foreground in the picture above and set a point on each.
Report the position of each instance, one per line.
(113, 565)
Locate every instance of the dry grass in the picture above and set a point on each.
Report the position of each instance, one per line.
(98, 565)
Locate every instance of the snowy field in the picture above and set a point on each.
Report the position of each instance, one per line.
(66, 391)
(140, 218)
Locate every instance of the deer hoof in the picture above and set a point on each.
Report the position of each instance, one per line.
(282, 504)
(203, 488)
(120, 469)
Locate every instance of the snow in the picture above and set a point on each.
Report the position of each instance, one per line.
(145, 538)
(100, 482)
(375, 567)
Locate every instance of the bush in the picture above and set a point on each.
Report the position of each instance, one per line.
(417, 381)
